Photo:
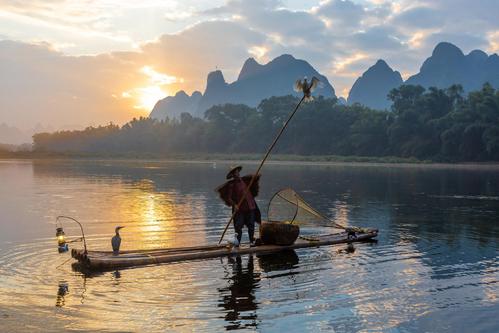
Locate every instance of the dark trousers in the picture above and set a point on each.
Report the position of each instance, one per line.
(245, 219)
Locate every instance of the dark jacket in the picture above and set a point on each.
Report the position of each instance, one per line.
(224, 190)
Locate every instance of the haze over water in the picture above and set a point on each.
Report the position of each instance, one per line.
(434, 268)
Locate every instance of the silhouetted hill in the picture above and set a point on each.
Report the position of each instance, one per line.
(250, 68)
(255, 83)
(372, 88)
(177, 104)
(12, 135)
(448, 65)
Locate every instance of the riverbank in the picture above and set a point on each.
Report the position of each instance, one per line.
(213, 157)
(277, 159)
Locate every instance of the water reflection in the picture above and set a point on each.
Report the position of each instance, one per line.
(238, 298)
(349, 249)
(284, 260)
(117, 275)
(62, 291)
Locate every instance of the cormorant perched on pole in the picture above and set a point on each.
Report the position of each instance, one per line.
(116, 241)
(306, 87)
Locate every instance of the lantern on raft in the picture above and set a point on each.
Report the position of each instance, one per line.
(62, 245)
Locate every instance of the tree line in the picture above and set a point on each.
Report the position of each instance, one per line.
(436, 124)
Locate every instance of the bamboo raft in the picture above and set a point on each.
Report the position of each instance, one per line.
(103, 260)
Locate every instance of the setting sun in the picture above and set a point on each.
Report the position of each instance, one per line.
(147, 97)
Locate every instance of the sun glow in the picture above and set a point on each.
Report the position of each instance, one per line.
(155, 88)
(149, 96)
(156, 77)
(258, 52)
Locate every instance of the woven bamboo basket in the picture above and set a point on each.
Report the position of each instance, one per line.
(278, 233)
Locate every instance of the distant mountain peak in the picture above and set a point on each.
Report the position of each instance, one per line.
(215, 77)
(478, 55)
(381, 64)
(196, 94)
(250, 67)
(176, 105)
(447, 50)
(380, 67)
(372, 88)
(215, 81)
(284, 59)
(181, 93)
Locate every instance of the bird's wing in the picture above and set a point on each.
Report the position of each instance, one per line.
(298, 86)
(314, 83)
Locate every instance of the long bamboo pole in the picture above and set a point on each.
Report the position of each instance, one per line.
(259, 168)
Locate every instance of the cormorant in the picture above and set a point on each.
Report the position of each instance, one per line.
(116, 241)
(306, 87)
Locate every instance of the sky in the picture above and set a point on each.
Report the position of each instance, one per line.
(75, 63)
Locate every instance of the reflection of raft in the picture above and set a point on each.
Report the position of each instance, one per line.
(101, 260)
(277, 233)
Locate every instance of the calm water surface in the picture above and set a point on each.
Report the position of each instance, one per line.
(434, 268)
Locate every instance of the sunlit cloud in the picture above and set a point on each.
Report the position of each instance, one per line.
(493, 38)
(275, 38)
(158, 78)
(417, 39)
(258, 52)
(341, 65)
(179, 15)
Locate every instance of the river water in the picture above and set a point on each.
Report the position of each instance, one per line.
(434, 267)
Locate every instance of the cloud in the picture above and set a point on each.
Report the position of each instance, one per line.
(202, 48)
(39, 84)
(419, 17)
(378, 38)
(493, 39)
(343, 15)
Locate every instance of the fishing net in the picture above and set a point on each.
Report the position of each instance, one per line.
(287, 206)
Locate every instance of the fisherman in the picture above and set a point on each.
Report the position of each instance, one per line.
(232, 192)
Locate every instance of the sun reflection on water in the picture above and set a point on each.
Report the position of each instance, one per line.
(159, 219)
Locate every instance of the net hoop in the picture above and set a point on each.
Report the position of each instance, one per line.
(278, 195)
(288, 206)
